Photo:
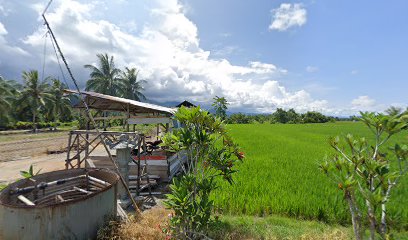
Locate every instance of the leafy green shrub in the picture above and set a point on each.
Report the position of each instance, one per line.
(23, 125)
(30, 173)
(368, 172)
(211, 154)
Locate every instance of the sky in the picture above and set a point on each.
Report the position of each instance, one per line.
(336, 57)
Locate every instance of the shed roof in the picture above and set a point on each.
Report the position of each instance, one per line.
(110, 103)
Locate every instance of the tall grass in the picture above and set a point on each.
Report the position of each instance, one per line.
(281, 175)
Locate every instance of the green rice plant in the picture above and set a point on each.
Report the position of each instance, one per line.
(281, 174)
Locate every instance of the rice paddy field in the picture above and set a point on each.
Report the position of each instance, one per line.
(280, 174)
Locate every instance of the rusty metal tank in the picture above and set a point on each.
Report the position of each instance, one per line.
(67, 204)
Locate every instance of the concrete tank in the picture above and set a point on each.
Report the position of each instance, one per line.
(76, 217)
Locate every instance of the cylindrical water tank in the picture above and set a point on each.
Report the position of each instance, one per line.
(75, 217)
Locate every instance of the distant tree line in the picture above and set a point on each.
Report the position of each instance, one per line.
(281, 116)
(34, 102)
(37, 103)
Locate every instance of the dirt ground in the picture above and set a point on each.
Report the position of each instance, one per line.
(18, 155)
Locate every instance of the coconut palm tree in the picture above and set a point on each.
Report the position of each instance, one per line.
(5, 94)
(104, 77)
(132, 87)
(9, 92)
(60, 106)
(34, 94)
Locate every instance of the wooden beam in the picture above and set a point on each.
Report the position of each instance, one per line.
(155, 120)
(78, 152)
(127, 117)
(110, 118)
(102, 132)
(89, 163)
(67, 162)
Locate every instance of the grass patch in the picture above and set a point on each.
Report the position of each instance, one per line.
(275, 227)
(32, 136)
(281, 175)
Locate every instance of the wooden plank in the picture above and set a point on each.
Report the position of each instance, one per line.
(78, 152)
(152, 163)
(89, 163)
(152, 157)
(82, 190)
(102, 132)
(152, 193)
(25, 200)
(121, 213)
(110, 118)
(68, 162)
(59, 198)
(98, 181)
(135, 177)
(156, 120)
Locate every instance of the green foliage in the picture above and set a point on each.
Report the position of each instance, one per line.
(238, 118)
(30, 173)
(6, 100)
(2, 186)
(281, 176)
(231, 227)
(365, 171)
(23, 125)
(34, 95)
(59, 108)
(211, 154)
(314, 117)
(132, 87)
(105, 77)
(36, 101)
(281, 116)
(29, 125)
(220, 107)
(193, 215)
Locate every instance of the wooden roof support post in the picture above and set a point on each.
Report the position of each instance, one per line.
(87, 108)
(78, 153)
(167, 127)
(128, 116)
(68, 150)
(104, 121)
(88, 127)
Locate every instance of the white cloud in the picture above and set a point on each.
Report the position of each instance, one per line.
(363, 103)
(3, 30)
(5, 47)
(3, 9)
(354, 72)
(168, 53)
(288, 15)
(312, 69)
(225, 51)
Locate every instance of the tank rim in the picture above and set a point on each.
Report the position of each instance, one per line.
(85, 170)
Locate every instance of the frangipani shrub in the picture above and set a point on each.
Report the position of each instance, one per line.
(211, 153)
(366, 174)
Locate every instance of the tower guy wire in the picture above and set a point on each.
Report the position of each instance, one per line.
(88, 113)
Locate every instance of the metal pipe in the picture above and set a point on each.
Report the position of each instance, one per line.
(43, 185)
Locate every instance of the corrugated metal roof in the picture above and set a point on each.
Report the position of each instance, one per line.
(110, 103)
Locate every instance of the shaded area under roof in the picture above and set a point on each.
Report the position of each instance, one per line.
(104, 102)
